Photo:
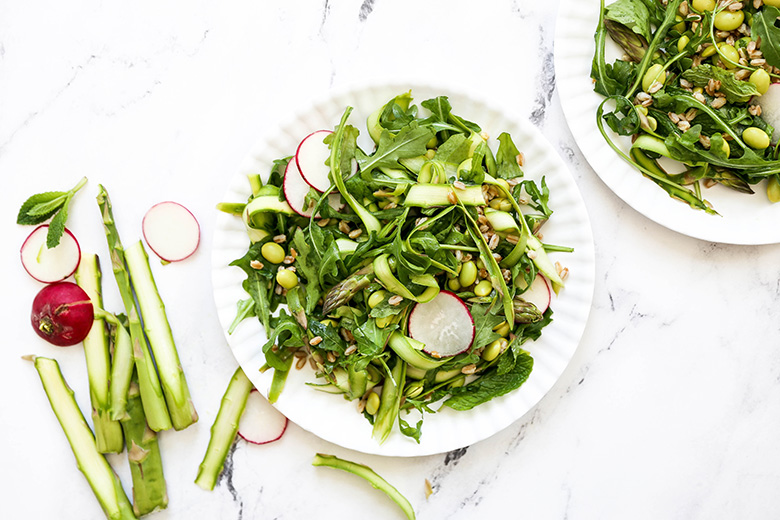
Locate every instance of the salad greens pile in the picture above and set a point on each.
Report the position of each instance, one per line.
(689, 88)
(431, 208)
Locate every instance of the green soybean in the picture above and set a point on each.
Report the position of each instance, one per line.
(376, 298)
(483, 288)
(468, 274)
(760, 78)
(273, 252)
(755, 138)
(773, 189)
(653, 74)
(728, 20)
(286, 279)
(372, 403)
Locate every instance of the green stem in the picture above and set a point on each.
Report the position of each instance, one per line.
(392, 390)
(102, 479)
(151, 391)
(143, 454)
(363, 471)
(108, 432)
(223, 431)
(158, 331)
(121, 367)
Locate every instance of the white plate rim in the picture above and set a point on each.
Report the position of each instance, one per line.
(447, 430)
(744, 220)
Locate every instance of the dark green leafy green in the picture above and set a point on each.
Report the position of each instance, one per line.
(53, 205)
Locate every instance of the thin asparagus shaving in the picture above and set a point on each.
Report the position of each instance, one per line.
(102, 479)
(158, 331)
(223, 431)
(390, 401)
(143, 453)
(122, 365)
(108, 431)
(151, 391)
(373, 478)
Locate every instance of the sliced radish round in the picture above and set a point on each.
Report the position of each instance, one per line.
(171, 231)
(770, 107)
(50, 265)
(540, 293)
(296, 189)
(312, 156)
(443, 324)
(261, 423)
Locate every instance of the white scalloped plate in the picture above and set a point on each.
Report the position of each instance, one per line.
(744, 219)
(330, 416)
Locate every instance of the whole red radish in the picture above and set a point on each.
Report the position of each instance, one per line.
(62, 314)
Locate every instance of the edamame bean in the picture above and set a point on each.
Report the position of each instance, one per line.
(384, 322)
(730, 56)
(755, 138)
(272, 252)
(709, 51)
(773, 189)
(453, 284)
(372, 403)
(682, 43)
(773, 3)
(728, 20)
(502, 329)
(760, 78)
(654, 73)
(483, 288)
(468, 274)
(703, 5)
(493, 350)
(286, 278)
(376, 298)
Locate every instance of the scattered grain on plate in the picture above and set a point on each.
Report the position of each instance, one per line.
(316, 340)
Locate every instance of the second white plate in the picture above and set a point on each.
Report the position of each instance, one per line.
(744, 219)
(337, 420)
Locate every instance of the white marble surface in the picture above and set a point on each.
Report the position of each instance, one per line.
(669, 409)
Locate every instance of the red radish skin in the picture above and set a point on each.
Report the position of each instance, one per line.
(50, 265)
(171, 231)
(540, 293)
(261, 423)
(295, 191)
(443, 324)
(62, 314)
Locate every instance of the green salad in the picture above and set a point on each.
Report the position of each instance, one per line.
(692, 86)
(407, 276)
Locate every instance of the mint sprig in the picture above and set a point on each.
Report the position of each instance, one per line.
(49, 205)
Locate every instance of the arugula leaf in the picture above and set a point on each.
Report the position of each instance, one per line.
(408, 142)
(40, 207)
(485, 319)
(413, 432)
(491, 385)
(506, 158)
(632, 14)
(244, 309)
(764, 27)
(736, 91)
(306, 264)
(454, 150)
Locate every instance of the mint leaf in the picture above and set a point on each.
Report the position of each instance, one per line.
(30, 215)
(57, 226)
(491, 385)
(409, 142)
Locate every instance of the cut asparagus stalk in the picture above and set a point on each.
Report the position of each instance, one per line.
(223, 432)
(102, 479)
(143, 454)
(155, 321)
(151, 391)
(392, 391)
(108, 432)
(363, 471)
(122, 365)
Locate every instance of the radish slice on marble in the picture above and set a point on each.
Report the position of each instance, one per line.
(443, 324)
(296, 189)
(171, 231)
(50, 265)
(540, 293)
(261, 423)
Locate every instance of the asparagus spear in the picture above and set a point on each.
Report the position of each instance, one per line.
(223, 432)
(102, 479)
(108, 432)
(342, 292)
(525, 312)
(121, 366)
(174, 384)
(151, 391)
(363, 471)
(143, 454)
